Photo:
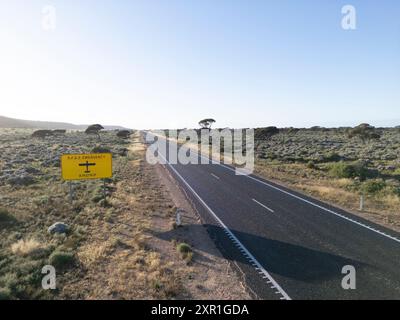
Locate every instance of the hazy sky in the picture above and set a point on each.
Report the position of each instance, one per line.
(167, 63)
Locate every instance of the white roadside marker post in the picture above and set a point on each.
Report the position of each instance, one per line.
(178, 220)
(361, 202)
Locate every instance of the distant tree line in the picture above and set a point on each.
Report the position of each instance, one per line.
(93, 129)
(47, 133)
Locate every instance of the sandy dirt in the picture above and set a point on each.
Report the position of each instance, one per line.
(214, 278)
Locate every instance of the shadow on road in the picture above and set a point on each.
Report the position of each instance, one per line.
(281, 258)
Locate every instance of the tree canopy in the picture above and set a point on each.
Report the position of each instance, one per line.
(94, 129)
(365, 132)
(124, 134)
(206, 123)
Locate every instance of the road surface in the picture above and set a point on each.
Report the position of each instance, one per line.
(287, 245)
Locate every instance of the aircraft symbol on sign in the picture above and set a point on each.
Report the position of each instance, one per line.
(87, 165)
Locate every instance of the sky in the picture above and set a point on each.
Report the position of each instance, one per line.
(170, 63)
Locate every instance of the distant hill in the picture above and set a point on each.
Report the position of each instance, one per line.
(17, 123)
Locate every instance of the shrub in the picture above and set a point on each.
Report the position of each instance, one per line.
(265, 133)
(365, 132)
(5, 294)
(361, 171)
(124, 134)
(59, 131)
(311, 165)
(41, 200)
(6, 218)
(42, 133)
(396, 191)
(10, 282)
(332, 157)
(61, 260)
(97, 197)
(157, 284)
(100, 149)
(345, 170)
(373, 186)
(189, 257)
(342, 170)
(184, 249)
(104, 203)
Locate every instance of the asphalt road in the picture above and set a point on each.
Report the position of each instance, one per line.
(287, 245)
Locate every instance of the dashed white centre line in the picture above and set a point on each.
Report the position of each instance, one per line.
(263, 205)
(236, 241)
(216, 177)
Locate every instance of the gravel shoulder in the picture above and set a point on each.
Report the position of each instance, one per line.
(215, 278)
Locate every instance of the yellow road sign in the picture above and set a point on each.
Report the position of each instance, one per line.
(86, 166)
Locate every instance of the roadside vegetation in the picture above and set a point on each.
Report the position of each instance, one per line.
(103, 244)
(33, 198)
(337, 165)
(94, 233)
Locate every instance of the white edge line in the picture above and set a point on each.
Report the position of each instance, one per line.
(236, 240)
(263, 205)
(215, 176)
(306, 201)
(313, 204)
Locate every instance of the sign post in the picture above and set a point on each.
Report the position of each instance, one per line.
(104, 188)
(71, 192)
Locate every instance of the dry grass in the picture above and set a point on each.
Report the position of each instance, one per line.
(382, 208)
(93, 252)
(27, 211)
(26, 247)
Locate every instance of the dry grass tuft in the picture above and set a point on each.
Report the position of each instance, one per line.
(26, 247)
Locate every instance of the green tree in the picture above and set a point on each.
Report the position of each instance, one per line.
(365, 132)
(206, 123)
(124, 134)
(94, 129)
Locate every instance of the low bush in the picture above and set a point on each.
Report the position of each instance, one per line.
(100, 149)
(5, 294)
(124, 134)
(342, 170)
(373, 186)
(332, 157)
(61, 260)
(184, 249)
(311, 165)
(265, 133)
(6, 218)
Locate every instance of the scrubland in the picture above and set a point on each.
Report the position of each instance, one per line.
(114, 247)
(335, 167)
